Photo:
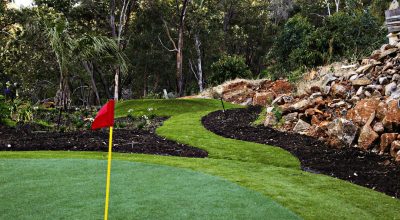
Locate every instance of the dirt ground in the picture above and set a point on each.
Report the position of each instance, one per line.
(367, 169)
(125, 141)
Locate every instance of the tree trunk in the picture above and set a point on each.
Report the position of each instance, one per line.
(63, 95)
(328, 5)
(337, 2)
(179, 63)
(89, 68)
(116, 84)
(199, 65)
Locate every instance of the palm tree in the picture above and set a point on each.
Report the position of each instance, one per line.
(83, 49)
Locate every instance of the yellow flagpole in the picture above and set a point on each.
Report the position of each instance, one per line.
(108, 175)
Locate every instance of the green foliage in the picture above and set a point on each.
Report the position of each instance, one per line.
(21, 111)
(277, 111)
(4, 109)
(344, 35)
(292, 47)
(229, 67)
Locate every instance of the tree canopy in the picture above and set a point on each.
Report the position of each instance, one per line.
(99, 49)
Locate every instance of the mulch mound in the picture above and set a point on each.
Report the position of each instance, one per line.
(124, 141)
(367, 169)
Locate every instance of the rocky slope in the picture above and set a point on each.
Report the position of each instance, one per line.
(346, 106)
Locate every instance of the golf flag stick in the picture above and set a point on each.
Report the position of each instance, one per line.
(105, 118)
(108, 174)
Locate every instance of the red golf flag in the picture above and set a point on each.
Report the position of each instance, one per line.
(105, 117)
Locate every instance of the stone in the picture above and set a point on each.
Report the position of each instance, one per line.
(353, 77)
(315, 120)
(378, 128)
(327, 89)
(247, 102)
(383, 80)
(263, 98)
(360, 91)
(363, 110)
(367, 94)
(374, 87)
(300, 105)
(270, 120)
(364, 68)
(395, 94)
(396, 77)
(315, 95)
(386, 141)
(361, 82)
(339, 90)
(341, 132)
(291, 117)
(389, 88)
(392, 116)
(394, 149)
(288, 98)
(381, 110)
(301, 126)
(281, 87)
(387, 53)
(367, 134)
(376, 93)
(338, 104)
(367, 137)
(278, 100)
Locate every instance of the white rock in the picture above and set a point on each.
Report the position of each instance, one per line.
(391, 87)
(301, 126)
(353, 77)
(396, 77)
(383, 80)
(360, 91)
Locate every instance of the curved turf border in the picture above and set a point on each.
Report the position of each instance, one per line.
(268, 170)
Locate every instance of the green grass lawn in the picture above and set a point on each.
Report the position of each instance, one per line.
(74, 189)
(268, 170)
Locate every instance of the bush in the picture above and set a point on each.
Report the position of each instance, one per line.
(350, 35)
(4, 109)
(229, 67)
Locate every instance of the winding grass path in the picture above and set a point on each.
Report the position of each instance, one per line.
(268, 170)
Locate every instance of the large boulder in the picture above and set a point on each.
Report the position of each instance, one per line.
(386, 140)
(278, 87)
(367, 135)
(301, 126)
(394, 149)
(263, 98)
(341, 132)
(363, 110)
(392, 116)
(339, 90)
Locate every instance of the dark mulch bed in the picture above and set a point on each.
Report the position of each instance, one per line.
(367, 169)
(124, 141)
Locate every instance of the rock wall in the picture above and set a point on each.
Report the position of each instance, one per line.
(346, 106)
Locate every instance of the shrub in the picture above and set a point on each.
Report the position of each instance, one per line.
(4, 109)
(229, 67)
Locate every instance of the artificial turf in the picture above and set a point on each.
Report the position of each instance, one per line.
(271, 171)
(74, 189)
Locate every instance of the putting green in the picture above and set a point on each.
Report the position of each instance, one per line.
(74, 189)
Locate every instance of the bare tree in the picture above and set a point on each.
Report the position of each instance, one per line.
(181, 10)
(328, 5)
(197, 70)
(117, 31)
(337, 3)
